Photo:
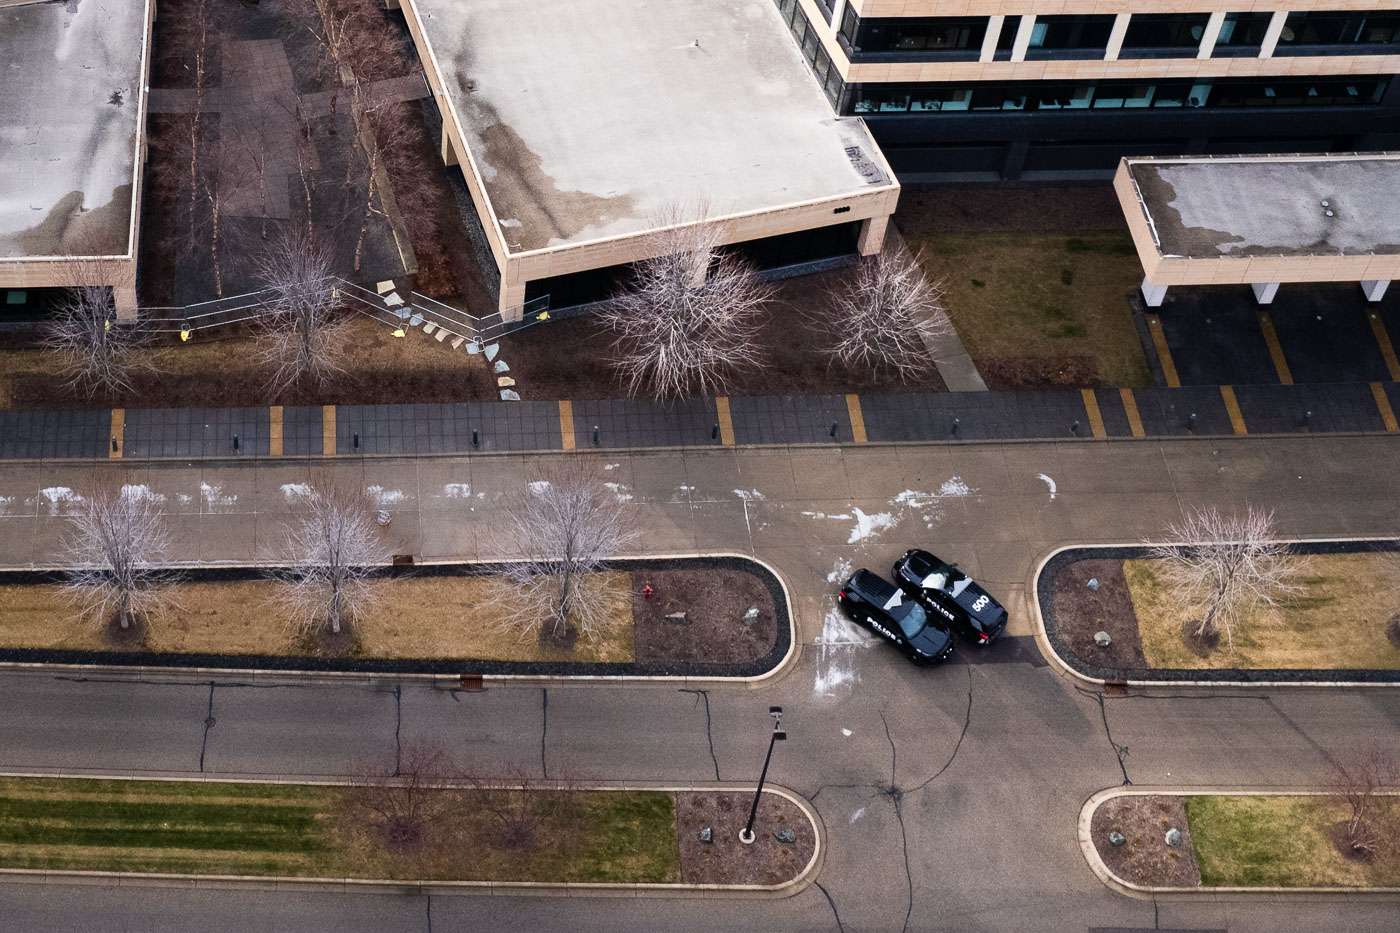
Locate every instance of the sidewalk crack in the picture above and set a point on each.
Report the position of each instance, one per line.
(709, 734)
(208, 724)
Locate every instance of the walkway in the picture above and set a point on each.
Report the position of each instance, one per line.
(468, 427)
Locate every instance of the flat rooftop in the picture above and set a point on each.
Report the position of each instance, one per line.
(70, 126)
(1271, 206)
(590, 118)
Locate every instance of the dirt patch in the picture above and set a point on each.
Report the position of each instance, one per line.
(1340, 838)
(1080, 612)
(132, 637)
(1392, 631)
(726, 860)
(1008, 373)
(932, 210)
(1200, 643)
(714, 632)
(1145, 858)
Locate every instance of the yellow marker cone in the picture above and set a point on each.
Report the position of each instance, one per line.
(398, 333)
(542, 316)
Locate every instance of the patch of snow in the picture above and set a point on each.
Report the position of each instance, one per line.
(385, 497)
(184, 499)
(57, 495)
(5, 503)
(839, 572)
(539, 486)
(749, 495)
(611, 466)
(868, 526)
(216, 501)
(620, 491)
(457, 490)
(836, 655)
(839, 515)
(141, 492)
(954, 487)
(857, 815)
(847, 733)
(1049, 482)
(294, 491)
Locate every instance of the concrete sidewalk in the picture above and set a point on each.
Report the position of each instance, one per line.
(611, 424)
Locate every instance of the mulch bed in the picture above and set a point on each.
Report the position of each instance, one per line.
(1009, 207)
(1080, 613)
(714, 602)
(1009, 373)
(727, 860)
(1145, 858)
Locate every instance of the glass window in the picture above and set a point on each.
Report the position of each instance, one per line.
(850, 24)
(1165, 30)
(1243, 29)
(1381, 27)
(942, 34)
(1071, 32)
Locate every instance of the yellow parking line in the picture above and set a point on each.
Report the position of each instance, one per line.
(274, 437)
(328, 430)
(1164, 353)
(857, 418)
(1392, 365)
(1091, 406)
(566, 424)
(1232, 407)
(1130, 409)
(118, 434)
(1266, 324)
(726, 423)
(1383, 403)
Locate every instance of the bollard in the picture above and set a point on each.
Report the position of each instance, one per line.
(832, 432)
(114, 444)
(355, 441)
(1191, 423)
(1307, 419)
(954, 428)
(714, 431)
(235, 442)
(1074, 428)
(476, 439)
(595, 435)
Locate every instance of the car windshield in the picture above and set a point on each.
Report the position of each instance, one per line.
(911, 618)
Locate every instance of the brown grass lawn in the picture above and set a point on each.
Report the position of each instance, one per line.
(1337, 622)
(1042, 297)
(415, 617)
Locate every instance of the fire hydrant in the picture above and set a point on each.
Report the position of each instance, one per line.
(647, 591)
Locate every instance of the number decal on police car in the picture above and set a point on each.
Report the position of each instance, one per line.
(981, 603)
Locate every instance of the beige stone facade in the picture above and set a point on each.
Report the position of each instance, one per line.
(790, 166)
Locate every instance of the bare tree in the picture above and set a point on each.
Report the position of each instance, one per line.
(115, 543)
(401, 803)
(98, 354)
(1228, 565)
(879, 317)
(383, 124)
(518, 804)
(306, 337)
(1358, 781)
(688, 319)
(562, 527)
(334, 547)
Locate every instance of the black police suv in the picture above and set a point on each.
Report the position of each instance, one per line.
(948, 592)
(878, 604)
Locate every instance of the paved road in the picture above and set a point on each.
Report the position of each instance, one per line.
(949, 796)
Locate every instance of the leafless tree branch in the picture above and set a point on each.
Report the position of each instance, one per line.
(1229, 565)
(97, 354)
(687, 321)
(1357, 781)
(562, 528)
(879, 316)
(306, 337)
(115, 543)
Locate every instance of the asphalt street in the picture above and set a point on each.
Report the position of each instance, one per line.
(949, 796)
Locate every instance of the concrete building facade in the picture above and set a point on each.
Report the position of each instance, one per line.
(992, 89)
(72, 147)
(579, 124)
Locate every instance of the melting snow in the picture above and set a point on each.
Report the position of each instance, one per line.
(857, 815)
(215, 500)
(836, 655)
(1049, 482)
(954, 487)
(620, 491)
(839, 571)
(539, 486)
(847, 733)
(57, 495)
(611, 466)
(460, 491)
(141, 492)
(295, 491)
(5, 502)
(868, 526)
(385, 497)
(749, 495)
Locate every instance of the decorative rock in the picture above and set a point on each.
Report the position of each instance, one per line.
(403, 314)
(510, 395)
(707, 835)
(457, 342)
(492, 350)
(383, 517)
(751, 615)
(1116, 838)
(440, 335)
(504, 381)
(1093, 584)
(1173, 837)
(502, 366)
(1102, 639)
(680, 618)
(415, 319)
(385, 286)
(429, 327)
(393, 300)
(786, 836)
(474, 347)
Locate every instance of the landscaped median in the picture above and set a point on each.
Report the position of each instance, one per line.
(1337, 625)
(712, 617)
(386, 833)
(1235, 841)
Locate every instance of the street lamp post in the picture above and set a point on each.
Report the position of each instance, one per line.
(746, 836)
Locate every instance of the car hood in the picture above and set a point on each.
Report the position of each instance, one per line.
(932, 640)
(979, 605)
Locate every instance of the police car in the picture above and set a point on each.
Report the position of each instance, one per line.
(874, 602)
(945, 590)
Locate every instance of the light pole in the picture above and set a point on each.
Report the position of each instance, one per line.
(746, 835)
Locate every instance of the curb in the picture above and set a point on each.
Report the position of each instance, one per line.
(450, 680)
(1150, 892)
(788, 888)
(1042, 636)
